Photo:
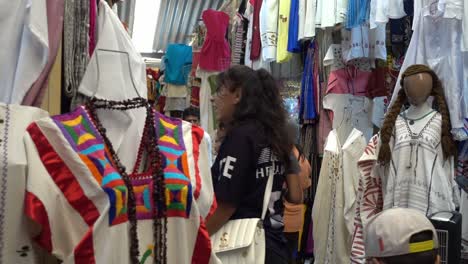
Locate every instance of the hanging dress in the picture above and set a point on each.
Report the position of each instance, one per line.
(216, 53)
(335, 200)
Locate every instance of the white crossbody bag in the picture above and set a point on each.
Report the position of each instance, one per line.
(242, 241)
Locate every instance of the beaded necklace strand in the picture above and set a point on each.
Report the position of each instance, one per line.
(154, 159)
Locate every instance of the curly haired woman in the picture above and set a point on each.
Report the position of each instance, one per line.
(248, 102)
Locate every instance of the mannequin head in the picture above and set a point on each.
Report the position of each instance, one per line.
(418, 88)
(418, 83)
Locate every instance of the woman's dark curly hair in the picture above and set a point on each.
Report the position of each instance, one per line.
(262, 103)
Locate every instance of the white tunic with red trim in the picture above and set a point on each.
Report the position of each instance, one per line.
(79, 199)
(15, 245)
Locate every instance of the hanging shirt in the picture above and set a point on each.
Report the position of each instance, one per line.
(256, 34)
(283, 31)
(55, 27)
(363, 42)
(207, 115)
(382, 10)
(358, 13)
(307, 110)
(260, 62)
(239, 30)
(15, 243)
(216, 53)
(307, 11)
(330, 12)
(178, 62)
(25, 47)
(69, 149)
(240, 174)
(351, 110)
(436, 43)
(347, 78)
(335, 201)
(465, 26)
(269, 29)
(293, 34)
(369, 198)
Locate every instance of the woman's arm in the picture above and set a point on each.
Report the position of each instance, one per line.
(221, 216)
(294, 194)
(293, 180)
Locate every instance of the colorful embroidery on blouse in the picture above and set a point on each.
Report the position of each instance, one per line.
(143, 190)
(82, 136)
(176, 170)
(147, 254)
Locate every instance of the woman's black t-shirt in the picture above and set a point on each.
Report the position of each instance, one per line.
(240, 174)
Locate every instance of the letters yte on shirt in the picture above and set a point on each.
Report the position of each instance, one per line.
(227, 166)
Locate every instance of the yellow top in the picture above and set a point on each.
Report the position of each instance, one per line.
(282, 54)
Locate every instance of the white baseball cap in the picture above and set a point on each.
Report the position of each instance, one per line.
(388, 233)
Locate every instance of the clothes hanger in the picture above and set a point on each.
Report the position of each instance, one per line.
(99, 71)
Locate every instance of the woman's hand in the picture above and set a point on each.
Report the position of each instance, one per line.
(220, 217)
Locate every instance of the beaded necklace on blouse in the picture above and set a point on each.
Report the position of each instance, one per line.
(148, 145)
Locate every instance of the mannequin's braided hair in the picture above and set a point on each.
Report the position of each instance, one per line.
(448, 145)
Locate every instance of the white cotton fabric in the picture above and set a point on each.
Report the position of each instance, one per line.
(351, 111)
(177, 91)
(25, 47)
(269, 29)
(331, 12)
(207, 119)
(116, 76)
(363, 42)
(307, 12)
(418, 172)
(13, 222)
(335, 201)
(465, 26)
(383, 10)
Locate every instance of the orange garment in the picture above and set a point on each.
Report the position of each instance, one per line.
(293, 213)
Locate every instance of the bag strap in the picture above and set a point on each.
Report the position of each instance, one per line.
(268, 190)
